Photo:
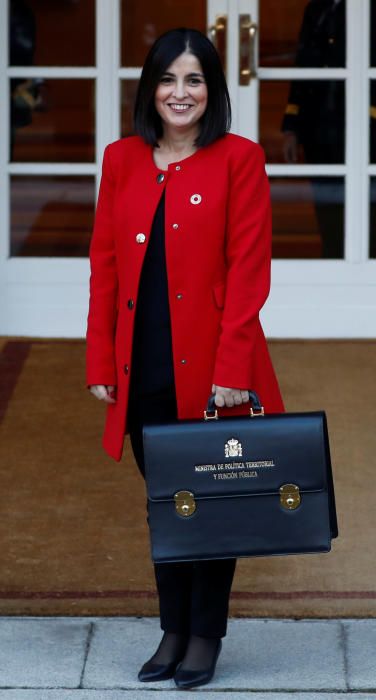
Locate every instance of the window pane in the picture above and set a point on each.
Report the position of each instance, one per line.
(306, 34)
(47, 33)
(372, 233)
(51, 216)
(128, 96)
(303, 120)
(308, 216)
(52, 120)
(142, 22)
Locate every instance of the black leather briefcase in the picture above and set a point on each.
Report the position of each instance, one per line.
(239, 486)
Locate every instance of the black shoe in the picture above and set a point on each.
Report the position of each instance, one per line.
(154, 671)
(189, 679)
(158, 672)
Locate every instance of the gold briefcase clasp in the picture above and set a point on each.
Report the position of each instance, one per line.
(185, 503)
(289, 496)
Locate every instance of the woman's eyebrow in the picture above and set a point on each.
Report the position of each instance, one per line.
(189, 75)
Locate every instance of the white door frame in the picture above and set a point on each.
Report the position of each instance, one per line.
(309, 298)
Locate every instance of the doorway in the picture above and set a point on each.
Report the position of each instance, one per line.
(70, 83)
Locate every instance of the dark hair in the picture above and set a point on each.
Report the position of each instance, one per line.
(216, 120)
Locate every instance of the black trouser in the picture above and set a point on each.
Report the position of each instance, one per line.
(193, 596)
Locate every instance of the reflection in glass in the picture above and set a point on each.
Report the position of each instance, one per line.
(278, 38)
(308, 217)
(372, 229)
(142, 22)
(45, 33)
(306, 34)
(303, 121)
(128, 96)
(372, 120)
(51, 216)
(52, 120)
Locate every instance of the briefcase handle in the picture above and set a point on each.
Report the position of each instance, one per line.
(256, 408)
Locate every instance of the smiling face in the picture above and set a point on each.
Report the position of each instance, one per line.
(182, 95)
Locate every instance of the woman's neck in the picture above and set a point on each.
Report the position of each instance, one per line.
(178, 143)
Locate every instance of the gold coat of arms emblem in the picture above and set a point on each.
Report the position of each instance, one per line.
(233, 448)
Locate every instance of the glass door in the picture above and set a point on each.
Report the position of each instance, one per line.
(49, 92)
(302, 82)
(313, 110)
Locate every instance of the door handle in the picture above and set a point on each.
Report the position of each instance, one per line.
(247, 49)
(218, 35)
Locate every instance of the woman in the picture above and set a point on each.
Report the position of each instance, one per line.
(180, 260)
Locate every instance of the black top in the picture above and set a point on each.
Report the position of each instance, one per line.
(152, 363)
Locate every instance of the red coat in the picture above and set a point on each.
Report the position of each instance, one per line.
(218, 250)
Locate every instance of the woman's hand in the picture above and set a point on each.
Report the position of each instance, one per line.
(229, 397)
(103, 392)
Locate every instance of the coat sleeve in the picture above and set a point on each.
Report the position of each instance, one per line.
(248, 261)
(101, 321)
